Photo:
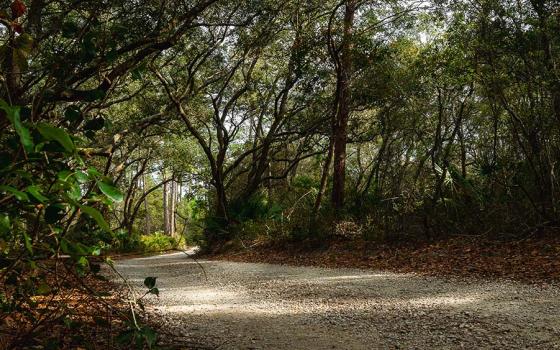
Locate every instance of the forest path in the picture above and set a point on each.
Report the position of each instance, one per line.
(264, 306)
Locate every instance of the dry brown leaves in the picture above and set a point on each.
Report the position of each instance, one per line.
(79, 311)
(529, 260)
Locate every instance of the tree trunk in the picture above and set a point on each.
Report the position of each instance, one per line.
(221, 199)
(172, 221)
(324, 178)
(165, 205)
(147, 219)
(341, 122)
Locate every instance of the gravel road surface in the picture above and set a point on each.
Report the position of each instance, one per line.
(263, 306)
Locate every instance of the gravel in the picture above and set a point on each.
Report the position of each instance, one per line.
(230, 305)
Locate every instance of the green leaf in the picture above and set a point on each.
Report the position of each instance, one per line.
(81, 177)
(13, 116)
(64, 246)
(150, 282)
(93, 172)
(56, 134)
(154, 291)
(110, 191)
(74, 192)
(150, 336)
(36, 193)
(27, 242)
(63, 175)
(4, 223)
(82, 261)
(21, 196)
(96, 215)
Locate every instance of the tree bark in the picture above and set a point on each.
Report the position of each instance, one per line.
(324, 178)
(341, 121)
(147, 219)
(172, 208)
(165, 205)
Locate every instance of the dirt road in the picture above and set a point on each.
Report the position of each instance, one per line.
(262, 306)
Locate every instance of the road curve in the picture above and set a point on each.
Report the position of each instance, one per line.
(230, 305)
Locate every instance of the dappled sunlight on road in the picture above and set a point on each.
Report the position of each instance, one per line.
(321, 306)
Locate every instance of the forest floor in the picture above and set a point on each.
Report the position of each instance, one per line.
(530, 260)
(235, 305)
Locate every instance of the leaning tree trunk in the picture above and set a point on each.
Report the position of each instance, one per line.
(324, 178)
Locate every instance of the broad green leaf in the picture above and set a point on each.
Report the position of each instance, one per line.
(110, 191)
(36, 193)
(74, 192)
(64, 175)
(81, 177)
(150, 336)
(56, 134)
(22, 196)
(14, 117)
(93, 172)
(96, 215)
(64, 246)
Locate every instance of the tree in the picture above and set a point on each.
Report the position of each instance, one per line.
(343, 64)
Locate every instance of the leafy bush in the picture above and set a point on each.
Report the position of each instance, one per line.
(51, 213)
(150, 243)
(158, 242)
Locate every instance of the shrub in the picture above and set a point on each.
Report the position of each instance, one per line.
(159, 242)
